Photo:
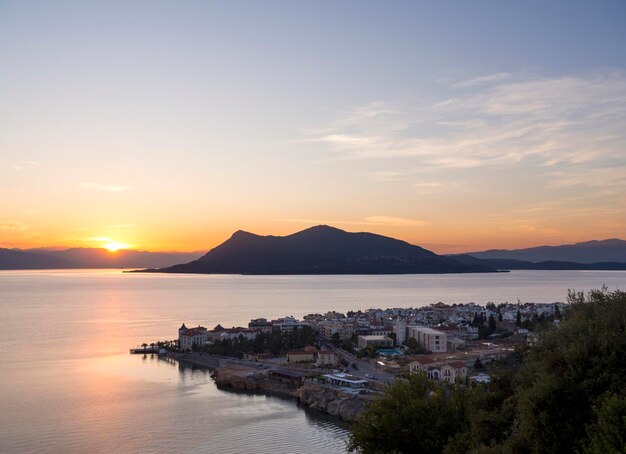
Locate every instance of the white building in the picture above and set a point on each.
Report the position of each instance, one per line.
(400, 330)
(325, 358)
(188, 337)
(428, 338)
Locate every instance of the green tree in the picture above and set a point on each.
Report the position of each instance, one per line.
(492, 324)
(565, 394)
(415, 415)
(570, 372)
(518, 319)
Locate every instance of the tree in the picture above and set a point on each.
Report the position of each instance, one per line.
(572, 371)
(500, 317)
(335, 339)
(518, 319)
(415, 347)
(564, 394)
(415, 415)
(144, 345)
(492, 324)
(557, 312)
(478, 364)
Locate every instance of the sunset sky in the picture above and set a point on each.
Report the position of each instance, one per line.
(453, 125)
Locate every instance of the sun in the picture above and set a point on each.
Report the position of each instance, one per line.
(114, 246)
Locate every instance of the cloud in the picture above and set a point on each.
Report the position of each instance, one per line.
(104, 187)
(370, 221)
(119, 226)
(17, 165)
(12, 225)
(490, 78)
(502, 121)
(394, 221)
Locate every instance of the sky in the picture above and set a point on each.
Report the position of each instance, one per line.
(457, 126)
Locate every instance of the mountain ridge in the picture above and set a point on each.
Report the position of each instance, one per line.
(82, 258)
(593, 251)
(320, 249)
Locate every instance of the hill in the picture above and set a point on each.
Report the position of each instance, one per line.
(510, 264)
(321, 250)
(13, 259)
(16, 259)
(611, 250)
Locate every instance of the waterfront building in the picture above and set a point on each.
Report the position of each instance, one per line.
(237, 333)
(260, 324)
(345, 381)
(188, 337)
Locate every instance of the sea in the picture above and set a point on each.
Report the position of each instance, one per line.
(69, 385)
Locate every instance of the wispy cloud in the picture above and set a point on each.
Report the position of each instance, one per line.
(391, 221)
(394, 221)
(12, 225)
(17, 165)
(104, 187)
(480, 80)
(541, 122)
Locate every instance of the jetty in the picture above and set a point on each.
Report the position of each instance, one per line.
(142, 351)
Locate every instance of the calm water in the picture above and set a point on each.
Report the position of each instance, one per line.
(68, 385)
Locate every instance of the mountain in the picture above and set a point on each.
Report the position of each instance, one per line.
(16, 259)
(320, 250)
(510, 264)
(612, 250)
(124, 258)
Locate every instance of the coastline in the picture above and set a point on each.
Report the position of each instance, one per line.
(297, 386)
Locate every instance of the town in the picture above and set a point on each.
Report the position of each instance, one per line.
(356, 353)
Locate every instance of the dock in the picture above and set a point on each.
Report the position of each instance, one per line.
(143, 351)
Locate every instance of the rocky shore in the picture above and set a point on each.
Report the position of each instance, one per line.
(335, 402)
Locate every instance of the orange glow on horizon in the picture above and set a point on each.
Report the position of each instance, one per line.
(114, 246)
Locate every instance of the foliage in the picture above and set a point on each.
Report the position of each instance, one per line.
(414, 415)
(563, 395)
(367, 352)
(275, 342)
(414, 347)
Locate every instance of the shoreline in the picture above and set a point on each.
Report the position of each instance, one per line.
(306, 392)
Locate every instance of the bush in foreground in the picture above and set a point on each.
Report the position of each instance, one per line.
(567, 396)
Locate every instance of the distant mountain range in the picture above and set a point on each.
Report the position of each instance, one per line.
(30, 259)
(325, 250)
(612, 250)
(509, 264)
(321, 250)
